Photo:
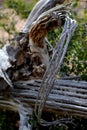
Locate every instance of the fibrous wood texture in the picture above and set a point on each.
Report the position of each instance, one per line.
(40, 7)
(67, 97)
(26, 59)
(55, 64)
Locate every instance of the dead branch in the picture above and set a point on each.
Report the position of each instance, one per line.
(47, 21)
(67, 97)
(39, 8)
(55, 64)
(25, 59)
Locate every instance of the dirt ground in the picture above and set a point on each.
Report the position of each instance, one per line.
(13, 18)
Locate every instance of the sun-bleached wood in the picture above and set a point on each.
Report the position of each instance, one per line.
(63, 96)
(67, 96)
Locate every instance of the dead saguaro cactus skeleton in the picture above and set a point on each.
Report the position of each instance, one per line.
(28, 58)
(28, 51)
(38, 30)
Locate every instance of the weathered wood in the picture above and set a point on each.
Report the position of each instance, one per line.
(18, 62)
(23, 60)
(55, 64)
(47, 21)
(67, 96)
(40, 7)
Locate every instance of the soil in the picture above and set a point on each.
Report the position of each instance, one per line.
(12, 18)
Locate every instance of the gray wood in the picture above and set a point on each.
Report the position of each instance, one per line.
(19, 88)
(60, 100)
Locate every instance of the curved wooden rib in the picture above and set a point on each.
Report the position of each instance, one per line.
(39, 8)
(49, 20)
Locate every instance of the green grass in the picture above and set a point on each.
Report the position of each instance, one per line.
(21, 7)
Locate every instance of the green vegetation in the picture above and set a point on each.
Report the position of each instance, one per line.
(8, 120)
(75, 62)
(22, 8)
